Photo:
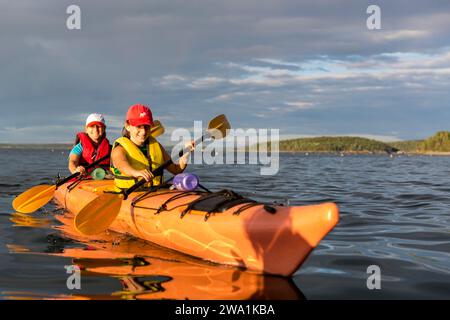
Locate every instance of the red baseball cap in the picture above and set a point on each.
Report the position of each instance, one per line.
(139, 114)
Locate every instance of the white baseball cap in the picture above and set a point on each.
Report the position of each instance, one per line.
(95, 118)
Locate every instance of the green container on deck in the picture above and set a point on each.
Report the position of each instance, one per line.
(98, 174)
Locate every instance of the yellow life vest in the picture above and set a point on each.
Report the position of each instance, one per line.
(138, 161)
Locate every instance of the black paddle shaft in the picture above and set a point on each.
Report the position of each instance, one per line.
(76, 174)
(160, 169)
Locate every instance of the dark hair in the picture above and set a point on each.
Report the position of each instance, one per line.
(125, 132)
(77, 140)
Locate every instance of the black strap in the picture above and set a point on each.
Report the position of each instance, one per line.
(75, 183)
(125, 178)
(163, 207)
(227, 199)
(204, 188)
(233, 203)
(245, 207)
(229, 194)
(267, 207)
(148, 194)
(193, 203)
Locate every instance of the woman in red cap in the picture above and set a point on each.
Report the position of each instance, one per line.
(90, 145)
(137, 153)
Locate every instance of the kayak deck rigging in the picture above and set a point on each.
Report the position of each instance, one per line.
(209, 202)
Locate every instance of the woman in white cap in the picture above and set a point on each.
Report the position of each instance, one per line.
(90, 145)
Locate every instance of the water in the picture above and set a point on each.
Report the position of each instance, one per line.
(395, 213)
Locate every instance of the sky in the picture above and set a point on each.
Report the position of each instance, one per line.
(307, 68)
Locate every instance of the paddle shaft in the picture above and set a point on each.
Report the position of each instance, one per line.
(76, 174)
(158, 171)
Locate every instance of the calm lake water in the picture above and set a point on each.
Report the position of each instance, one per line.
(395, 214)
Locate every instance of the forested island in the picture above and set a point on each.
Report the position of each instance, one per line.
(436, 144)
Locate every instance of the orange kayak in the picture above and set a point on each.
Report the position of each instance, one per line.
(246, 236)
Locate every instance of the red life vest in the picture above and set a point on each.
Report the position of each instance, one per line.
(92, 153)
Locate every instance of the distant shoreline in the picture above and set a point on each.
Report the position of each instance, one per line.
(64, 146)
(401, 153)
(437, 145)
(59, 146)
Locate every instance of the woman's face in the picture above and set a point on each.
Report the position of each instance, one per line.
(95, 132)
(138, 134)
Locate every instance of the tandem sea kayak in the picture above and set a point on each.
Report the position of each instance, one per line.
(221, 227)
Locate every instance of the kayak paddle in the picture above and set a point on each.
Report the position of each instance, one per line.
(38, 196)
(100, 213)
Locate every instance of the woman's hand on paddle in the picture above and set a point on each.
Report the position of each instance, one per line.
(146, 174)
(184, 159)
(81, 170)
(190, 145)
(182, 162)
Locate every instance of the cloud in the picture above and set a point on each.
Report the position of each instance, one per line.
(229, 96)
(206, 82)
(300, 105)
(400, 35)
(305, 67)
(171, 80)
(399, 66)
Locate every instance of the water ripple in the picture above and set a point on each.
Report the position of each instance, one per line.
(395, 213)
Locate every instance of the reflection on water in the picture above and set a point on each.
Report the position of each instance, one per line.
(394, 214)
(28, 220)
(146, 271)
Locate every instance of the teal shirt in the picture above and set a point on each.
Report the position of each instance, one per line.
(77, 149)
